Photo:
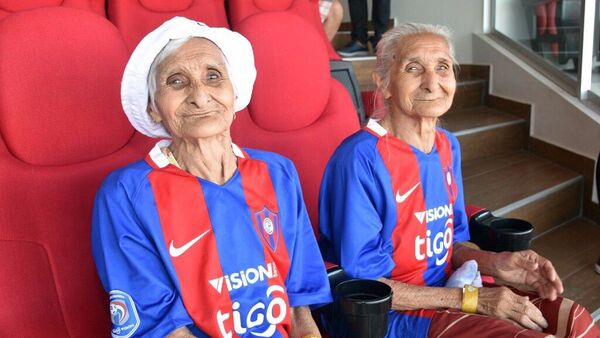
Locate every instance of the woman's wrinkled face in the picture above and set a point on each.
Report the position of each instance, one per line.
(422, 82)
(194, 95)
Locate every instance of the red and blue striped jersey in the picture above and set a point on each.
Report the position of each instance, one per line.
(390, 210)
(225, 260)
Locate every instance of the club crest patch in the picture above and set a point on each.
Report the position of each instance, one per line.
(123, 314)
(267, 223)
(449, 180)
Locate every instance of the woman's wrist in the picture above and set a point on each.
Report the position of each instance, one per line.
(470, 298)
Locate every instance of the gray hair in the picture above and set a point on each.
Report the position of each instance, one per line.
(388, 45)
(167, 50)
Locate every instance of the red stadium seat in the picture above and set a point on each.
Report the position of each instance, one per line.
(137, 18)
(297, 108)
(307, 9)
(12, 6)
(61, 131)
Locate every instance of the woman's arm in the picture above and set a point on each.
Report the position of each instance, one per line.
(413, 297)
(498, 302)
(303, 325)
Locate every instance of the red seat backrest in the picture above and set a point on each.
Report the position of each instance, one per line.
(12, 6)
(61, 131)
(297, 108)
(307, 9)
(136, 18)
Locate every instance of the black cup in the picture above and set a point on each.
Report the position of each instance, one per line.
(500, 234)
(362, 308)
(511, 234)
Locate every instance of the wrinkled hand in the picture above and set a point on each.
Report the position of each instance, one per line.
(529, 268)
(501, 302)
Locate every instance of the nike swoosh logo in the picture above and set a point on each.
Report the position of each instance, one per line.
(403, 197)
(176, 252)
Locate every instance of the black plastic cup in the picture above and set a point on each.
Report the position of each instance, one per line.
(362, 308)
(500, 234)
(511, 234)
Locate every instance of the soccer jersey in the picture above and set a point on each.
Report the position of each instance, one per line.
(389, 210)
(225, 260)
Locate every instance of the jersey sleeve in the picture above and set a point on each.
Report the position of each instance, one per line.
(461, 221)
(143, 300)
(307, 282)
(352, 210)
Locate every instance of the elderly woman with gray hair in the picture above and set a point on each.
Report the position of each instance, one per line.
(202, 238)
(392, 209)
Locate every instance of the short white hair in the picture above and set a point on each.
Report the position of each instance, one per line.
(388, 45)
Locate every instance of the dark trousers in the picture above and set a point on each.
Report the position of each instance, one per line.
(359, 15)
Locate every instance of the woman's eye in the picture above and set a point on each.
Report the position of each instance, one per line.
(412, 68)
(213, 75)
(175, 81)
(443, 67)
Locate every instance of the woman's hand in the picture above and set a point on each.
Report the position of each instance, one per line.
(182, 332)
(303, 324)
(529, 268)
(501, 302)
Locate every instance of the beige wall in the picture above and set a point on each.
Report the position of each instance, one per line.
(557, 116)
(463, 16)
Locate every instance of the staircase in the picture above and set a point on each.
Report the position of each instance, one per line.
(502, 174)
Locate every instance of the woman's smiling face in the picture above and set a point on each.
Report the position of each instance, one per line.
(194, 95)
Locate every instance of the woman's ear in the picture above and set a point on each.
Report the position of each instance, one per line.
(379, 83)
(154, 115)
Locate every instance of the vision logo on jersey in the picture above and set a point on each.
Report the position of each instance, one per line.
(244, 278)
(267, 223)
(433, 214)
(123, 314)
(273, 313)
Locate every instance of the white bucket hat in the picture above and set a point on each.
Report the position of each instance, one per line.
(134, 86)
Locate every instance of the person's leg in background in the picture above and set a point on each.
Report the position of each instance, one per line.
(358, 16)
(333, 19)
(380, 18)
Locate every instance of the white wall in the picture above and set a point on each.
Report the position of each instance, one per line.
(464, 17)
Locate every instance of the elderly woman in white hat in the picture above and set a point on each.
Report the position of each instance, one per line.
(202, 238)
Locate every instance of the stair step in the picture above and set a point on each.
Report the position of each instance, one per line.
(522, 185)
(573, 248)
(470, 92)
(484, 132)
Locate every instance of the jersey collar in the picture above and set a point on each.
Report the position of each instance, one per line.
(161, 160)
(376, 128)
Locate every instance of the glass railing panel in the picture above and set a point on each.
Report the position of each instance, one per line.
(549, 28)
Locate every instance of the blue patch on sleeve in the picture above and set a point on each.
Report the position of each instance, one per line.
(123, 315)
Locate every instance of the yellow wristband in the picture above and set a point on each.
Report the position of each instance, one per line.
(469, 300)
(312, 335)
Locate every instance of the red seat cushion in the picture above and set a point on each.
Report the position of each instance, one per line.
(59, 115)
(297, 109)
(136, 18)
(11, 6)
(61, 132)
(239, 10)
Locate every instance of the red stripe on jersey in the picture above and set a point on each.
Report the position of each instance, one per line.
(444, 149)
(192, 245)
(408, 193)
(262, 201)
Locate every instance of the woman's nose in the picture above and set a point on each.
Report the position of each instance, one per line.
(199, 94)
(430, 81)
